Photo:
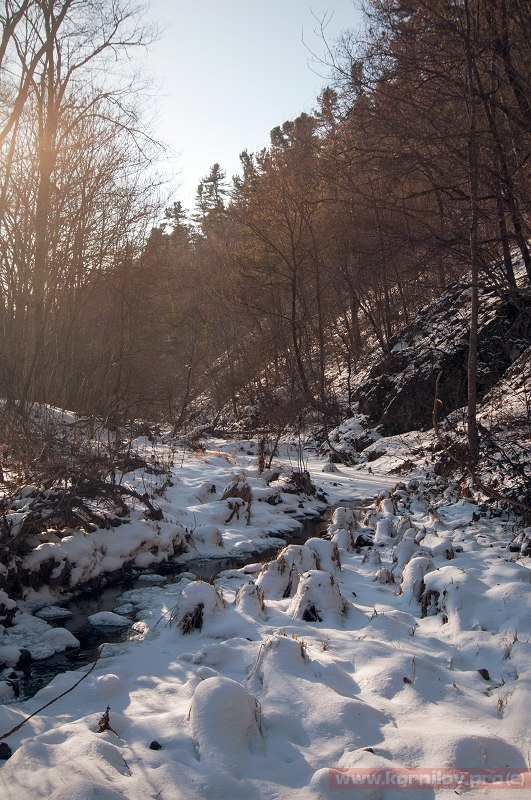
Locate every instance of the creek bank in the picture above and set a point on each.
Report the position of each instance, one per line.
(96, 599)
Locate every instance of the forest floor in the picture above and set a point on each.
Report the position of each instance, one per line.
(391, 654)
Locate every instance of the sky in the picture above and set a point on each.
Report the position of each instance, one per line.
(223, 73)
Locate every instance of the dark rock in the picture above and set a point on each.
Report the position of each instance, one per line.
(362, 540)
(24, 660)
(155, 745)
(484, 674)
(525, 549)
(5, 751)
(399, 390)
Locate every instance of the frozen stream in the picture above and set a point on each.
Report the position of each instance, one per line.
(93, 601)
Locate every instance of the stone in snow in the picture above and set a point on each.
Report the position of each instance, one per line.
(108, 619)
(49, 613)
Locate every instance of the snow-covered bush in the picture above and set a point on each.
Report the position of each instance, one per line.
(384, 576)
(205, 538)
(8, 609)
(237, 494)
(280, 655)
(205, 492)
(344, 540)
(412, 579)
(250, 600)
(342, 519)
(327, 554)
(280, 578)
(318, 598)
(199, 602)
(385, 532)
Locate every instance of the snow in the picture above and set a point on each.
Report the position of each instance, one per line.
(37, 636)
(50, 613)
(262, 682)
(108, 619)
(225, 748)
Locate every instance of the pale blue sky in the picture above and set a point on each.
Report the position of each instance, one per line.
(225, 72)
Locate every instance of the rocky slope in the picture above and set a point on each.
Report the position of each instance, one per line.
(399, 389)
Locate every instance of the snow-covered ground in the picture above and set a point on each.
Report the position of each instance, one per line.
(412, 654)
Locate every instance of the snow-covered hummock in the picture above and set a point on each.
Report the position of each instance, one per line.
(36, 636)
(6, 601)
(432, 671)
(280, 578)
(225, 747)
(151, 577)
(343, 540)
(412, 578)
(318, 598)
(342, 519)
(199, 603)
(327, 553)
(250, 600)
(53, 613)
(205, 539)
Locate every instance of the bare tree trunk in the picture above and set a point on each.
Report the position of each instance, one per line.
(472, 426)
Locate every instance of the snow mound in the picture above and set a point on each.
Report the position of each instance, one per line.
(326, 784)
(385, 532)
(250, 600)
(9, 655)
(384, 576)
(412, 579)
(318, 598)
(475, 751)
(279, 656)
(225, 722)
(403, 552)
(53, 613)
(206, 538)
(7, 692)
(342, 519)
(86, 790)
(199, 603)
(56, 640)
(8, 607)
(344, 540)
(280, 578)
(205, 492)
(327, 553)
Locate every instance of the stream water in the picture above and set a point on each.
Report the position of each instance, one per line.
(107, 599)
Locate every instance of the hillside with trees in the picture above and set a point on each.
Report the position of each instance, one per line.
(411, 173)
(276, 445)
